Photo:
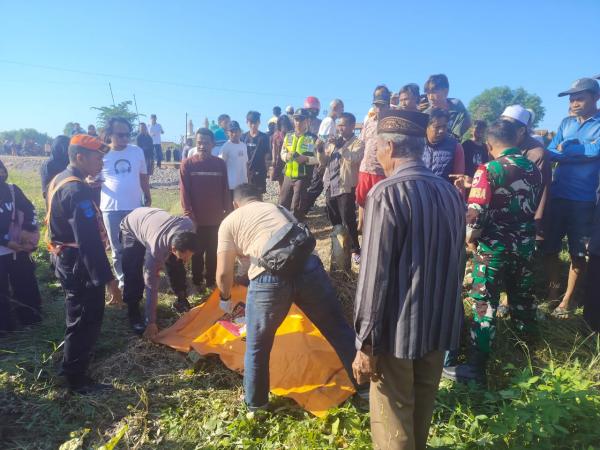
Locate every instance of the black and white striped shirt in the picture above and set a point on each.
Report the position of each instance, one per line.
(408, 300)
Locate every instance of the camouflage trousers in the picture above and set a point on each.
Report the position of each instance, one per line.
(491, 271)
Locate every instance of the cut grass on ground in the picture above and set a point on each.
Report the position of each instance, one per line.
(542, 393)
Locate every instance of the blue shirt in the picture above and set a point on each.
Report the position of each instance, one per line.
(577, 173)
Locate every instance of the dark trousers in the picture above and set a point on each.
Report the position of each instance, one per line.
(268, 302)
(17, 274)
(204, 261)
(315, 188)
(158, 155)
(84, 307)
(292, 196)
(341, 210)
(134, 253)
(591, 309)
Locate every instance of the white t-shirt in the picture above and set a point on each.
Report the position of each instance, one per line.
(155, 131)
(236, 159)
(121, 189)
(327, 128)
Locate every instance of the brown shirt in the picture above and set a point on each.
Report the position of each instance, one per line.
(204, 190)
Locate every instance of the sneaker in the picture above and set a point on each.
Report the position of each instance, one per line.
(182, 305)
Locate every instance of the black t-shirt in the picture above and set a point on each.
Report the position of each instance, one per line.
(144, 141)
(258, 149)
(475, 155)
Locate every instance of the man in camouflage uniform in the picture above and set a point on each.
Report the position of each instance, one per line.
(504, 196)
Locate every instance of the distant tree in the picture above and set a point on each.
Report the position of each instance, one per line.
(25, 134)
(491, 103)
(68, 129)
(121, 110)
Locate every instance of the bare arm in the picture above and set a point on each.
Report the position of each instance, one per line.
(225, 272)
(145, 183)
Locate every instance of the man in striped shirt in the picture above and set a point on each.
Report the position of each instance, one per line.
(408, 309)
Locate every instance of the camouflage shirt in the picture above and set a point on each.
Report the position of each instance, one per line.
(504, 197)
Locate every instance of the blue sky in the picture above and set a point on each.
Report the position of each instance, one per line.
(207, 58)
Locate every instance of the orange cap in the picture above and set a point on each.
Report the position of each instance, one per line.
(89, 142)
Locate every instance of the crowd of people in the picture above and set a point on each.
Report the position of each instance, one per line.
(427, 187)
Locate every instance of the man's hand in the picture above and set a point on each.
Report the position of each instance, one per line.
(364, 367)
(28, 240)
(151, 331)
(461, 181)
(301, 159)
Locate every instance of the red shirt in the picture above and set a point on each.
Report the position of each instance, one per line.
(204, 191)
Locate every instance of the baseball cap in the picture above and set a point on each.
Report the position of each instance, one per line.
(518, 113)
(89, 142)
(382, 97)
(233, 126)
(580, 85)
(289, 109)
(301, 113)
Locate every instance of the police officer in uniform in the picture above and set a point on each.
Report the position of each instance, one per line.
(298, 153)
(76, 240)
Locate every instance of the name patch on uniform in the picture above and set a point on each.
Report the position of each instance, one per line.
(480, 188)
(88, 208)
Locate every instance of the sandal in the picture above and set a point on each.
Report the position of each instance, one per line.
(562, 313)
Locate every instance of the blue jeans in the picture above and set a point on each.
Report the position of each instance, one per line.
(269, 300)
(112, 221)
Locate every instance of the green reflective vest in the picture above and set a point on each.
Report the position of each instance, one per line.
(300, 145)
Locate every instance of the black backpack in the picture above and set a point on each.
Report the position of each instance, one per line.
(288, 249)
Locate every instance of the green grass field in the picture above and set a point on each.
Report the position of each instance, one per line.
(542, 391)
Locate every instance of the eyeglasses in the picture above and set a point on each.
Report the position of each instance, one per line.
(121, 135)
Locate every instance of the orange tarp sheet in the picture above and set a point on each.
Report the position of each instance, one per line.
(303, 364)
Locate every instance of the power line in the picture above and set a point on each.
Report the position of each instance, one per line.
(146, 80)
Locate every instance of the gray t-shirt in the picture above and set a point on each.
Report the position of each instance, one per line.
(154, 228)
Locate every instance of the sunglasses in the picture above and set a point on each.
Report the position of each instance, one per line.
(121, 135)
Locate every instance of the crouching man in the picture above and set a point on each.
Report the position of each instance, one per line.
(265, 233)
(153, 239)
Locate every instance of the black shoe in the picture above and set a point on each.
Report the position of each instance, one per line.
(138, 328)
(135, 320)
(182, 305)
(464, 373)
(473, 370)
(87, 386)
(91, 388)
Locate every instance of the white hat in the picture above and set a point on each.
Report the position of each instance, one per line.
(518, 113)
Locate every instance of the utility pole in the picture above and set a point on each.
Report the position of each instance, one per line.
(111, 93)
(136, 110)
